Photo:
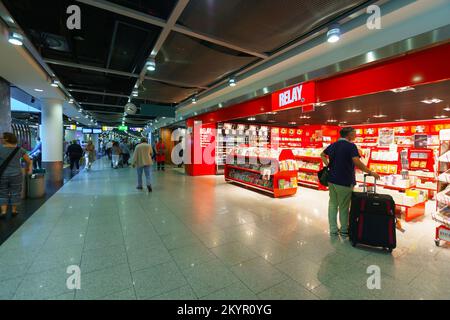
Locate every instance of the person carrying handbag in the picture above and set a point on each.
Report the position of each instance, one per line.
(11, 172)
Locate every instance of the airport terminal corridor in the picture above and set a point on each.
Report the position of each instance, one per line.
(200, 238)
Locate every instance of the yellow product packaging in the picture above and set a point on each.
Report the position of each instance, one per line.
(413, 193)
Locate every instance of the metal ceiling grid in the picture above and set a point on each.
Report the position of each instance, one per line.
(192, 53)
(261, 25)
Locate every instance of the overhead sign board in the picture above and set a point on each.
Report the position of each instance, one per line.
(154, 110)
(300, 95)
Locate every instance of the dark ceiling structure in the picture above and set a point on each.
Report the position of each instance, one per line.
(380, 107)
(196, 44)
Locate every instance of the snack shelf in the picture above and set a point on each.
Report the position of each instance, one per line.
(413, 212)
(442, 215)
(244, 169)
(310, 158)
(308, 170)
(313, 184)
(249, 184)
(280, 184)
(253, 157)
(387, 186)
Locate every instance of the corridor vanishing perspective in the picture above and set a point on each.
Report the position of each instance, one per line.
(200, 238)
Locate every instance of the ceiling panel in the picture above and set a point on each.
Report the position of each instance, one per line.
(74, 78)
(158, 92)
(261, 25)
(196, 62)
(394, 106)
(156, 8)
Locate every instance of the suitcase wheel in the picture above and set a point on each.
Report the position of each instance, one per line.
(437, 243)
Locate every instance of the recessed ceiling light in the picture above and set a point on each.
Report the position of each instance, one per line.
(305, 117)
(272, 112)
(38, 90)
(447, 109)
(55, 83)
(135, 93)
(271, 121)
(353, 111)
(292, 122)
(431, 101)
(440, 117)
(400, 120)
(151, 64)
(232, 82)
(319, 104)
(402, 89)
(251, 119)
(334, 34)
(380, 116)
(343, 122)
(194, 100)
(15, 38)
(332, 120)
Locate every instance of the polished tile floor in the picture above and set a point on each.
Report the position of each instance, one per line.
(199, 238)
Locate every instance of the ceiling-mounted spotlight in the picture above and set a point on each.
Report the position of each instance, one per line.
(232, 82)
(334, 34)
(71, 101)
(135, 93)
(151, 64)
(55, 83)
(15, 38)
(194, 100)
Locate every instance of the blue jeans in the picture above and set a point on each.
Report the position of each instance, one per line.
(148, 175)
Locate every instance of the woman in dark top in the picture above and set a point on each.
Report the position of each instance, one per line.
(11, 177)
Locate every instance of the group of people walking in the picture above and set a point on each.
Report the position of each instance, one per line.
(14, 161)
(75, 153)
(118, 153)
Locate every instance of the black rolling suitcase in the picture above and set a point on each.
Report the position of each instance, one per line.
(372, 219)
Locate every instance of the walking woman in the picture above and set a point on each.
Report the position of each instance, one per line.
(116, 152)
(90, 154)
(11, 172)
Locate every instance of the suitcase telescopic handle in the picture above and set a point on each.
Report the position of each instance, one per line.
(365, 189)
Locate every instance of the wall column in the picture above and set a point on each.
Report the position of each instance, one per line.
(52, 135)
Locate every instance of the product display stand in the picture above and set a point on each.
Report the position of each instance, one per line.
(309, 164)
(270, 171)
(389, 165)
(312, 173)
(442, 213)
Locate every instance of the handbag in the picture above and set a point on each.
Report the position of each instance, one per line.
(323, 176)
(5, 163)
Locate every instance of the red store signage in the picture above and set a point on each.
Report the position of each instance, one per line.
(295, 96)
